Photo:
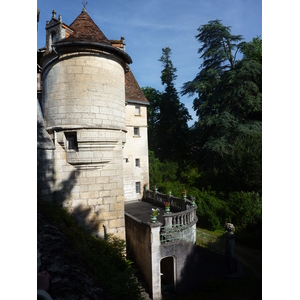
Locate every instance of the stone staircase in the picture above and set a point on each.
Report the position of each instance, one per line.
(141, 282)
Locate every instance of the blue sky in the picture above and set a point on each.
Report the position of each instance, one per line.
(149, 26)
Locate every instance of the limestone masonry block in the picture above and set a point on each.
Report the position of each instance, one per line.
(76, 203)
(90, 70)
(71, 69)
(116, 206)
(98, 201)
(116, 223)
(87, 195)
(93, 173)
(108, 215)
(93, 188)
(102, 179)
(120, 199)
(104, 194)
(109, 200)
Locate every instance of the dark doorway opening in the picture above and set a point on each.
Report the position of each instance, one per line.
(167, 275)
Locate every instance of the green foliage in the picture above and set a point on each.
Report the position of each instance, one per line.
(229, 108)
(106, 258)
(153, 115)
(222, 160)
(247, 207)
(155, 170)
(169, 117)
(212, 211)
(214, 208)
(253, 50)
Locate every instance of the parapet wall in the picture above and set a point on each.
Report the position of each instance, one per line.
(138, 238)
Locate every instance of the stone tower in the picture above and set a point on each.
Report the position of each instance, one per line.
(83, 108)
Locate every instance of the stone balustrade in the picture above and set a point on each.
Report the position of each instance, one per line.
(157, 198)
(187, 217)
(181, 217)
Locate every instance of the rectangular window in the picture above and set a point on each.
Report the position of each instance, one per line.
(71, 139)
(138, 187)
(137, 162)
(136, 131)
(137, 111)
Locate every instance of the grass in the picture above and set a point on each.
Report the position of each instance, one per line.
(105, 258)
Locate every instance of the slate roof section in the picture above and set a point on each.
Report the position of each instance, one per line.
(85, 30)
(133, 92)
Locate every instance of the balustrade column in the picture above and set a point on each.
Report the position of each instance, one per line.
(167, 221)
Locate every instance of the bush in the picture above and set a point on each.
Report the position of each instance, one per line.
(106, 258)
(243, 209)
(247, 208)
(212, 211)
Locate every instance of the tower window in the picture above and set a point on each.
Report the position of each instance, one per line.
(137, 111)
(71, 139)
(137, 162)
(136, 131)
(138, 187)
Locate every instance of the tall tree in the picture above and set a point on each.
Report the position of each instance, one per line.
(153, 115)
(228, 106)
(173, 127)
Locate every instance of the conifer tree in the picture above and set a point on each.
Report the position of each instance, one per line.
(153, 115)
(173, 127)
(228, 106)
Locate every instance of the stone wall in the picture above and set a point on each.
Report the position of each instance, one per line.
(191, 264)
(94, 194)
(138, 238)
(84, 90)
(84, 98)
(136, 147)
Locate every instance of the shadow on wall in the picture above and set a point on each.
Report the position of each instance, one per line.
(46, 182)
(200, 265)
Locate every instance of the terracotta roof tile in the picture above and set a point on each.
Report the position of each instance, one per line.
(85, 30)
(133, 91)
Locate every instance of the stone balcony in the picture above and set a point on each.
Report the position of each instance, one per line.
(161, 248)
(181, 217)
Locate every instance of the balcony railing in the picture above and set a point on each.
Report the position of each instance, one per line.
(177, 233)
(176, 204)
(178, 223)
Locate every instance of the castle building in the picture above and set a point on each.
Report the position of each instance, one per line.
(92, 125)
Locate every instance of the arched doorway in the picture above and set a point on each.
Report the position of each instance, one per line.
(167, 275)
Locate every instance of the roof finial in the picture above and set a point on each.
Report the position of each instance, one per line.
(84, 4)
(53, 14)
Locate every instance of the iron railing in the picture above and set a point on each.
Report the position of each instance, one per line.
(177, 233)
(190, 235)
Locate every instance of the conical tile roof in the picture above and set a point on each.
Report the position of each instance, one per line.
(85, 30)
